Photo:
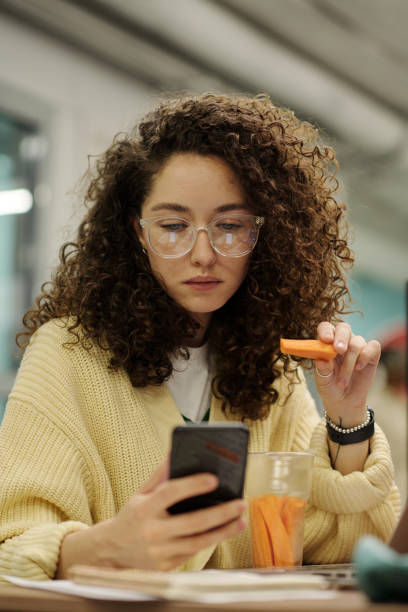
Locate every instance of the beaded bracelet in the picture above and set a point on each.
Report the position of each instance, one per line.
(351, 435)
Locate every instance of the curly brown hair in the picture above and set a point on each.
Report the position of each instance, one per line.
(296, 275)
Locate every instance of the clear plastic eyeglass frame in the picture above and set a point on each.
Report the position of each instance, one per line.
(258, 222)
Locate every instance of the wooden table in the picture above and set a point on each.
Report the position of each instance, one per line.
(18, 599)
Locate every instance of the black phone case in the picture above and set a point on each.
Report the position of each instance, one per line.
(220, 449)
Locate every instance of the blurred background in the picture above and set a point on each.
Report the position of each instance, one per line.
(75, 72)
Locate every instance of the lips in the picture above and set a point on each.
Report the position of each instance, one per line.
(203, 283)
(202, 280)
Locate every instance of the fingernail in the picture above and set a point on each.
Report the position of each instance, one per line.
(340, 345)
(212, 481)
(359, 366)
(342, 382)
(242, 522)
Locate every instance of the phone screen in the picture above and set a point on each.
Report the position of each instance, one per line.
(218, 448)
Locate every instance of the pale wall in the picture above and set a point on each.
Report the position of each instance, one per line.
(80, 103)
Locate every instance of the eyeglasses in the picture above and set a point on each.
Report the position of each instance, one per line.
(231, 235)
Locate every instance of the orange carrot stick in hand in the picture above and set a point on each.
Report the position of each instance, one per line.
(311, 349)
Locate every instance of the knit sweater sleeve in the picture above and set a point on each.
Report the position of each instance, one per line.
(341, 508)
(46, 487)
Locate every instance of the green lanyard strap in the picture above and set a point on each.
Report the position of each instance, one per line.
(206, 417)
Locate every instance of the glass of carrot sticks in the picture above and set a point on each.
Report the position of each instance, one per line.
(278, 485)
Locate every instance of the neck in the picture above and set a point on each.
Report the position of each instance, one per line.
(204, 320)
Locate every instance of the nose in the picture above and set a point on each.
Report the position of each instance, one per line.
(202, 253)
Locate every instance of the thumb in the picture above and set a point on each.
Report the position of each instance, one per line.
(159, 475)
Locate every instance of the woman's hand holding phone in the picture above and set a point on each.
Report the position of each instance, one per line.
(144, 535)
(162, 541)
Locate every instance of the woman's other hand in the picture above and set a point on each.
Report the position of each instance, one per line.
(343, 383)
(144, 535)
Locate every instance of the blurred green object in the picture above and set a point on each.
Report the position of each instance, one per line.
(381, 572)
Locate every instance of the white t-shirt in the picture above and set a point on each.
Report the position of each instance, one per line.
(190, 383)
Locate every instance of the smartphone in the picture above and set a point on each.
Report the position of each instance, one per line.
(218, 448)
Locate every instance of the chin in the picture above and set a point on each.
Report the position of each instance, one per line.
(203, 309)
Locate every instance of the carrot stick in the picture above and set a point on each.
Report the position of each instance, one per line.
(276, 530)
(312, 349)
(262, 554)
(292, 513)
(278, 536)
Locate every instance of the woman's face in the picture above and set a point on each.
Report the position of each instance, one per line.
(197, 188)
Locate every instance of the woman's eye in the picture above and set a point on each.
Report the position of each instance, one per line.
(174, 227)
(229, 227)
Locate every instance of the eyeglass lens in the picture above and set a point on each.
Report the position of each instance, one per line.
(230, 235)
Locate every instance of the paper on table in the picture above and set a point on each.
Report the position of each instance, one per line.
(186, 585)
(67, 587)
(204, 586)
(114, 594)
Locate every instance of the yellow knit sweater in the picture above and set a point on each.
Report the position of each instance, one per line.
(78, 440)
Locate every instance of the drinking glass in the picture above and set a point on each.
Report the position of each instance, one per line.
(277, 487)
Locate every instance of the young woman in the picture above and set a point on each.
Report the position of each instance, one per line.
(212, 231)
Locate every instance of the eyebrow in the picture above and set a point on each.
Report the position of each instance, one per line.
(186, 209)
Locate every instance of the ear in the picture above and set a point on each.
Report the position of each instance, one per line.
(139, 232)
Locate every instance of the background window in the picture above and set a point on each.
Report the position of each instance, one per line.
(18, 170)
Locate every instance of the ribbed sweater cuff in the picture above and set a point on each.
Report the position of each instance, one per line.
(355, 492)
(34, 554)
